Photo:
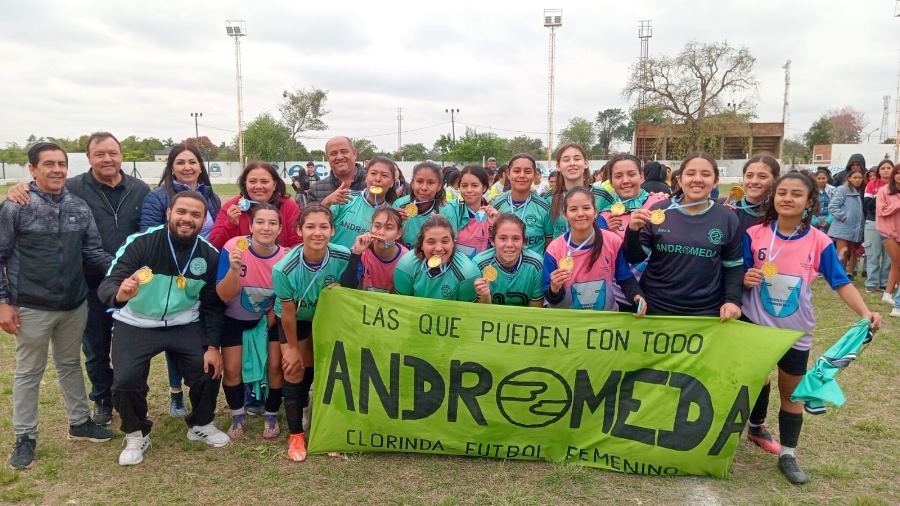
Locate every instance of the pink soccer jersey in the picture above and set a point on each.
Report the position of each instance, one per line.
(378, 275)
(473, 238)
(785, 300)
(587, 288)
(255, 279)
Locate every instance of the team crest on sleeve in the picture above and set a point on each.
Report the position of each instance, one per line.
(198, 266)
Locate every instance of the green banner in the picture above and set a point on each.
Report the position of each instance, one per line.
(653, 395)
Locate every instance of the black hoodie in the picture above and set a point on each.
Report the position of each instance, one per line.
(655, 178)
(841, 177)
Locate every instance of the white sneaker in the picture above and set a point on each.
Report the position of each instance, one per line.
(135, 446)
(888, 298)
(209, 434)
(895, 311)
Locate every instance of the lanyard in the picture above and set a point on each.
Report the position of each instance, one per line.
(180, 270)
(676, 205)
(769, 254)
(512, 206)
(578, 248)
(746, 206)
(318, 271)
(509, 273)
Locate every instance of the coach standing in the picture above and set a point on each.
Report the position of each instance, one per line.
(345, 175)
(42, 295)
(115, 200)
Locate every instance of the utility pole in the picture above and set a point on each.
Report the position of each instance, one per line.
(196, 115)
(552, 20)
(786, 109)
(452, 112)
(399, 130)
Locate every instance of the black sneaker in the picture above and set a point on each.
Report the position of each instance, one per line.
(102, 414)
(23, 452)
(90, 431)
(790, 468)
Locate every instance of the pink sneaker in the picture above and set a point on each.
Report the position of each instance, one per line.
(763, 439)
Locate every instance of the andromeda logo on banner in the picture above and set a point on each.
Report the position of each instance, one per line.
(595, 388)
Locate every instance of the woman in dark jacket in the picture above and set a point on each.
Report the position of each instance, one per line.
(655, 178)
(184, 171)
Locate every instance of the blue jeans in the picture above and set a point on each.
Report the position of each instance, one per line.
(878, 263)
(175, 377)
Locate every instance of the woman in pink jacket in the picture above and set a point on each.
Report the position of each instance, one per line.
(259, 183)
(887, 221)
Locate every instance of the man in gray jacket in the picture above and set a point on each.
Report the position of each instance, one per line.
(42, 296)
(115, 200)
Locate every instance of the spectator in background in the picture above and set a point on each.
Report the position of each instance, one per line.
(654, 178)
(499, 183)
(823, 183)
(855, 162)
(302, 181)
(887, 219)
(491, 166)
(400, 186)
(451, 183)
(847, 227)
(878, 262)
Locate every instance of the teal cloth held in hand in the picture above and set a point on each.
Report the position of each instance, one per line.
(819, 385)
(255, 356)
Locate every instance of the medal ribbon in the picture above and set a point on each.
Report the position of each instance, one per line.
(676, 205)
(580, 246)
(770, 256)
(175, 258)
(318, 271)
(512, 206)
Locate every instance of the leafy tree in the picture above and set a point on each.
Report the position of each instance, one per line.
(302, 110)
(846, 125)
(13, 154)
(205, 145)
(365, 149)
(610, 125)
(695, 84)
(442, 147)
(795, 149)
(889, 140)
(316, 154)
(820, 132)
(579, 131)
(416, 152)
(472, 147)
(225, 153)
(524, 144)
(267, 139)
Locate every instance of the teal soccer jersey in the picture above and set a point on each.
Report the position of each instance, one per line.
(535, 213)
(412, 225)
(516, 287)
(453, 281)
(352, 219)
(296, 280)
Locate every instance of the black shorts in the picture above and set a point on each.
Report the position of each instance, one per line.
(233, 332)
(304, 330)
(794, 362)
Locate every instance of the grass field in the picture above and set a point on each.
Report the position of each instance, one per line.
(852, 455)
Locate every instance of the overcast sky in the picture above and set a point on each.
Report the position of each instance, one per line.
(141, 67)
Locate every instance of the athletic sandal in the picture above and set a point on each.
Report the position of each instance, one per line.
(763, 439)
(236, 431)
(791, 470)
(271, 430)
(297, 448)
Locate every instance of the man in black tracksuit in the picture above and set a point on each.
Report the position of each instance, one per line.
(163, 284)
(115, 201)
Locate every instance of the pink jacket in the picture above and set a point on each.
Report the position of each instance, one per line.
(887, 213)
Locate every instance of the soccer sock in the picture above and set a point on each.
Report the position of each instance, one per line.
(789, 427)
(273, 401)
(293, 409)
(234, 396)
(758, 414)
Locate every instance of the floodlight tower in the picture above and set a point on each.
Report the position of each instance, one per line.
(237, 28)
(786, 109)
(552, 20)
(645, 31)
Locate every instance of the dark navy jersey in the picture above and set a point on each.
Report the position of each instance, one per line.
(688, 253)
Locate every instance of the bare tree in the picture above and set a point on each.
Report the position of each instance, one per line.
(847, 125)
(697, 83)
(302, 110)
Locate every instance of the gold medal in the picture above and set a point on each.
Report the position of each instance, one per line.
(657, 217)
(736, 193)
(242, 244)
(489, 273)
(769, 269)
(144, 274)
(376, 190)
(181, 282)
(567, 263)
(617, 209)
(434, 262)
(411, 210)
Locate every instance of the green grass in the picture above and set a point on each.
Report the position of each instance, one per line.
(851, 455)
